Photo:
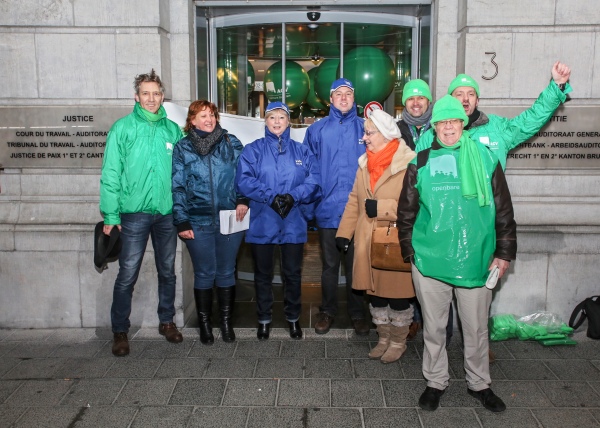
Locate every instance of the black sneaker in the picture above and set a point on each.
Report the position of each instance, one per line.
(489, 400)
(430, 399)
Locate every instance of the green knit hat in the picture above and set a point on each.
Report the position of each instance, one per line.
(463, 80)
(446, 108)
(416, 88)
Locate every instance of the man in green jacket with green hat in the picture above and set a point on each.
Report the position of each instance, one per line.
(501, 134)
(135, 197)
(456, 224)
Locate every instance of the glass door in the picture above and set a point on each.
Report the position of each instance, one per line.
(258, 58)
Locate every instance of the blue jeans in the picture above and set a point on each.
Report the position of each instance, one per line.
(291, 273)
(135, 229)
(213, 256)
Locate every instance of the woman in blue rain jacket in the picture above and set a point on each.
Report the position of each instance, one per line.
(278, 175)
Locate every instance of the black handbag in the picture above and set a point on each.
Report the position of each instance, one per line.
(590, 309)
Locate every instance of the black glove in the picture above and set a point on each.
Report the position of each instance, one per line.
(342, 244)
(286, 203)
(283, 204)
(276, 204)
(371, 207)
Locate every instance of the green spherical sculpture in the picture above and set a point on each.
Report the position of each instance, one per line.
(312, 99)
(372, 73)
(325, 75)
(227, 79)
(297, 83)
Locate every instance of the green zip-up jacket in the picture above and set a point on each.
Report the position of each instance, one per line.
(501, 134)
(136, 171)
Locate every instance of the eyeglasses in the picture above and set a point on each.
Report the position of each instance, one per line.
(369, 133)
(451, 122)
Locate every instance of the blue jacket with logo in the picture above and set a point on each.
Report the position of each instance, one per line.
(277, 165)
(336, 142)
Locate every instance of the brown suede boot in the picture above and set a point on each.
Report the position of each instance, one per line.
(400, 321)
(383, 330)
(380, 319)
(397, 344)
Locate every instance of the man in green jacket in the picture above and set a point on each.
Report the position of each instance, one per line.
(135, 196)
(456, 224)
(501, 134)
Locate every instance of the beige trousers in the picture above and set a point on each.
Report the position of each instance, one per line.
(473, 309)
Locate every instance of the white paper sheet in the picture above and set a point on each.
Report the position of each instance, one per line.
(230, 225)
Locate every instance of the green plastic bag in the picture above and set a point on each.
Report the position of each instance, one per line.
(544, 326)
(502, 327)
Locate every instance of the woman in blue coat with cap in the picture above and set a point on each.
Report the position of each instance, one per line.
(278, 175)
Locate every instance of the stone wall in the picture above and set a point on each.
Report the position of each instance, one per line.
(68, 53)
(556, 210)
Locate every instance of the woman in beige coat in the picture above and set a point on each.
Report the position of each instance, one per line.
(374, 201)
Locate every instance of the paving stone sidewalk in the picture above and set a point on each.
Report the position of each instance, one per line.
(69, 378)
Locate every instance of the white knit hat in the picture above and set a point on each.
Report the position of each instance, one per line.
(385, 124)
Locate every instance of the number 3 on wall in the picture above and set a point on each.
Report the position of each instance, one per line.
(493, 54)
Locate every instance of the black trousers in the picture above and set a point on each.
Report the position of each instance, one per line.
(291, 273)
(330, 277)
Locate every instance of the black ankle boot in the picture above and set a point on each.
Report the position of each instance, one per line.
(263, 330)
(204, 300)
(295, 330)
(226, 297)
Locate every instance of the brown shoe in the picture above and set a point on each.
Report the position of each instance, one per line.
(120, 346)
(361, 327)
(169, 330)
(323, 324)
(413, 330)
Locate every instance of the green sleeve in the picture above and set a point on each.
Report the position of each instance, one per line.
(110, 180)
(527, 124)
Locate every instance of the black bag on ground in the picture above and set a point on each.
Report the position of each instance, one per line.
(590, 309)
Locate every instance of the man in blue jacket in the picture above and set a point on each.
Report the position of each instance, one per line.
(336, 142)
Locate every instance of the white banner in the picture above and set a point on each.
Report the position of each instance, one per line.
(247, 129)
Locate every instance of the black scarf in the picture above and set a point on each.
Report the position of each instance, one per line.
(472, 118)
(203, 142)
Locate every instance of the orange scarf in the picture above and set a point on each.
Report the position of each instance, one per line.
(378, 162)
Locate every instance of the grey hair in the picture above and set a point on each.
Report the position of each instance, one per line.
(149, 77)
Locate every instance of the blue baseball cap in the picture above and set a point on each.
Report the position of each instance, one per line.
(277, 104)
(340, 83)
